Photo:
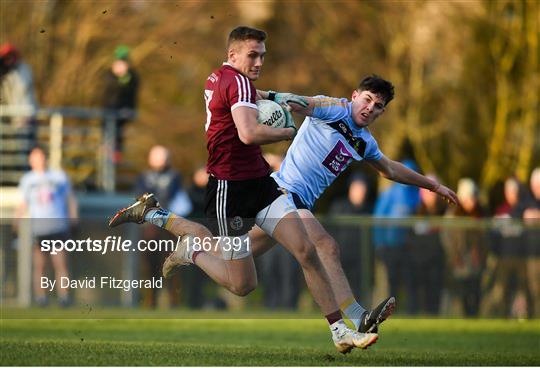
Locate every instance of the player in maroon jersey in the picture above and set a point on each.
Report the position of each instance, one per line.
(241, 193)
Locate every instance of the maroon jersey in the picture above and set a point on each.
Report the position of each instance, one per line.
(229, 158)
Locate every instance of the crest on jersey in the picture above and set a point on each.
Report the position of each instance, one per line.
(236, 223)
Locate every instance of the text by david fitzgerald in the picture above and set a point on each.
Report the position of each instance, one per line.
(102, 282)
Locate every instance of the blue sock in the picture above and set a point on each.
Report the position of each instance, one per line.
(158, 217)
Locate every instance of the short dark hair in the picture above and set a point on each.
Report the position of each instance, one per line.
(379, 86)
(243, 33)
(37, 147)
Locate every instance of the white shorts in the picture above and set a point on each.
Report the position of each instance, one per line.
(268, 218)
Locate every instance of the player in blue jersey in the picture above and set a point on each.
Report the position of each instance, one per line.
(334, 133)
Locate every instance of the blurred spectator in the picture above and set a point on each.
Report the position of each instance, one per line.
(196, 194)
(531, 216)
(466, 249)
(427, 254)
(121, 85)
(193, 278)
(509, 249)
(166, 184)
(17, 90)
(356, 202)
(397, 201)
(532, 207)
(48, 199)
(280, 273)
(17, 83)
(350, 237)
(514, 198)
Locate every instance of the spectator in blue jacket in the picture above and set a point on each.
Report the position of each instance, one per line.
(390, 241)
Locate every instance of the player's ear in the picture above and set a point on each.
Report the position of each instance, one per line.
(231, 54)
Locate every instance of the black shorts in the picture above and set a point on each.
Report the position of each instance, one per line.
(62, 236)
(231, 206)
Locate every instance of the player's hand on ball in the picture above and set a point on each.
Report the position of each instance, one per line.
(289, 120)
(285, 99)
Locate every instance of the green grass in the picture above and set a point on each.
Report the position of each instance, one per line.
(105, 339)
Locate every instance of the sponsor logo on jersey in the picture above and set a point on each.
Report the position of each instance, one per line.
(338, 159)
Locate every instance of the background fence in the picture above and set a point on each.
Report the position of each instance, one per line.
(80, 140)
(361, 258)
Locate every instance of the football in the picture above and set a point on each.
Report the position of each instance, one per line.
(271, 114)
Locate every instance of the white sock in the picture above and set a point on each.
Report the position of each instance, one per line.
(157, 216)
(354, 312)
(190, 252)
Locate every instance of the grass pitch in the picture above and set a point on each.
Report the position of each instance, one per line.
(127, 337)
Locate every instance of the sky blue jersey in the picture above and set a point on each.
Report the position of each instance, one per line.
(46, 195)
(326, 144)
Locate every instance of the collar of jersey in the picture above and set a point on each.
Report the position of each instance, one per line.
(225, 63)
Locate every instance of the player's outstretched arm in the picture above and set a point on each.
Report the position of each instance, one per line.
(398, 172)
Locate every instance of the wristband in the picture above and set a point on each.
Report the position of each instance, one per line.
(272, 95)
(295, 131)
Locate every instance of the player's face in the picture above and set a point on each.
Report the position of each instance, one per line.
(366, 107)
(247, 57)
